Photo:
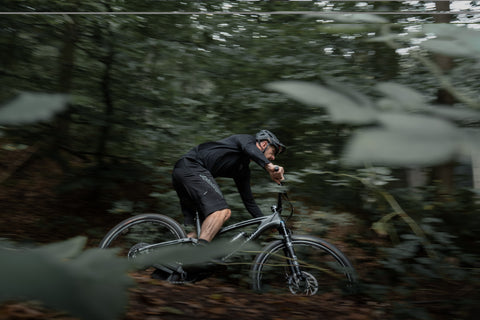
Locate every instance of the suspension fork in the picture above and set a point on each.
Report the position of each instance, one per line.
(289, 251)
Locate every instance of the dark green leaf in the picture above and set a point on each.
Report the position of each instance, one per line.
(32, 107)
(341, 107)
(453, 41)
(405, 140)
(90, 285)
(351, 17)
(401, 94)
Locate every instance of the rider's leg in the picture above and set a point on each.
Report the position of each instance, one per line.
(213, 223)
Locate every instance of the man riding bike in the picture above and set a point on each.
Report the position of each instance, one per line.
(194, 178)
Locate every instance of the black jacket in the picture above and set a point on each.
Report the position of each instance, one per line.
(230, 158)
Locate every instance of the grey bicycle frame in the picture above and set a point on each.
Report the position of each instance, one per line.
(266, 222)
(273, 220)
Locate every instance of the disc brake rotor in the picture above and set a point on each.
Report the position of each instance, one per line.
(307, 285)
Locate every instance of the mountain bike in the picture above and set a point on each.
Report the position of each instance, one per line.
(300, 264)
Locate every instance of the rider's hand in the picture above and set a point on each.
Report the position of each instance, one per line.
(276, 172)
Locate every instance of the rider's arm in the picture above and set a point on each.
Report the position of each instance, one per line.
(249, 146)
(243, 185)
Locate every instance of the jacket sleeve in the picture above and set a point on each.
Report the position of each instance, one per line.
(243, 185)
(249, 147)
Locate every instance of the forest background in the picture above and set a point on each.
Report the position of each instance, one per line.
(377, 102)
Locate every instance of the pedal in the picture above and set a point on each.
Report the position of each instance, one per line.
(173, 273)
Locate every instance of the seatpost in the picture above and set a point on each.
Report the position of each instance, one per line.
(198, 223)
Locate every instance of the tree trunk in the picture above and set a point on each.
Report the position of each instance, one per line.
(109, 109)
(61, 128)
(444, 174)
(106, 127)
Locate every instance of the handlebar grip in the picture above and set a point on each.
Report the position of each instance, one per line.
(276, 169)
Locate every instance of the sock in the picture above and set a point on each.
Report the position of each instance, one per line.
(203, 242)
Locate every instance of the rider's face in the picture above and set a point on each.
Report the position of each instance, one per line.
(268, 150)
(270, 153)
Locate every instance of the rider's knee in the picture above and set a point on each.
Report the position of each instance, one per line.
(226, 213)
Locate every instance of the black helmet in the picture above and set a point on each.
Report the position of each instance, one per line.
(272, 139)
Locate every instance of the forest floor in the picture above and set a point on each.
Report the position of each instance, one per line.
(34, 213)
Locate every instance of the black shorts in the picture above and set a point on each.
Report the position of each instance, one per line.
(197, 190)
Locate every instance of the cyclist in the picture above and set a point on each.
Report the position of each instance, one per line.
(194, 178)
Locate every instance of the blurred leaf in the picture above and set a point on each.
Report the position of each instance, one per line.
(32, 107)
(14, 147)
(404, 140)
(453, 41)
(350, 17)
(451, 48)
(381, 228)
(122, 206)
(341, 107)
(401, 94)
(64, 250)
(453, 113)
(90, 284)
(471, 138)
(417, 124)
(379, 146)
(346, 28)
(401, 97)
(432, 220)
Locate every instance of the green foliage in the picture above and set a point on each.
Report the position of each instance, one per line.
(355, 18)
(90, 284)
(452, 41)
(343, 107)
(401, 138)
(31, 107)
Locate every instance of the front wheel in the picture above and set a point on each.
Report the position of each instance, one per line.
(322, 268)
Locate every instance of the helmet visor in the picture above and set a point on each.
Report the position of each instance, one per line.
(279, 148)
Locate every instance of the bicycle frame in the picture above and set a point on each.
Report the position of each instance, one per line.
(266, 222)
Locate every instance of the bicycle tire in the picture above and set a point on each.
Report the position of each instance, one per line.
(146, 228)
(324, 268)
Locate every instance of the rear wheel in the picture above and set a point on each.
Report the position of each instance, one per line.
(136, 232)
(323, 268)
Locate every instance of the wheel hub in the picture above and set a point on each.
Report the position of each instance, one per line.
(306, 285)
(135, 250)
